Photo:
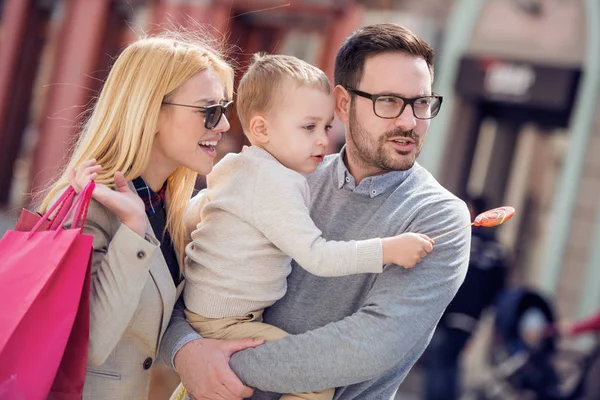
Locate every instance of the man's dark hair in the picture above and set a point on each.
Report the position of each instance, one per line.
(373, 40)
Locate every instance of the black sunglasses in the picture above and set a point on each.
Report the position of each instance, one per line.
(213, 113)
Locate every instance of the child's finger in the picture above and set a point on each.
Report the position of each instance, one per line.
(429, 247)
(426, 238)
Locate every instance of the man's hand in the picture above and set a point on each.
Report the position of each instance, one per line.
(203, 366)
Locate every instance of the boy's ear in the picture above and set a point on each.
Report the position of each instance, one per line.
(259, 129)
(342, 103)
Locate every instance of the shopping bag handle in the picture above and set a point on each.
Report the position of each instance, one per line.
(80, 205)
(82, 209)
(62, 210)
(79, 208)
(65, 198)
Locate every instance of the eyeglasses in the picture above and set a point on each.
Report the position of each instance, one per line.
(391, 106)
(212, 113)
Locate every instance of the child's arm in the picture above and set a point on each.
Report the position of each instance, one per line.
(389, 331)
(280, 211)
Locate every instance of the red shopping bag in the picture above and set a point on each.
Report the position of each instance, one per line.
(44, 298)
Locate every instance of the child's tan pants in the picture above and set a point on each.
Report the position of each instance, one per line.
(249, 326)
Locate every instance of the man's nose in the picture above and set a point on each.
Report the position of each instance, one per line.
(407, 119)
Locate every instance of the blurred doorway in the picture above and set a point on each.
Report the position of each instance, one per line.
(509, 133)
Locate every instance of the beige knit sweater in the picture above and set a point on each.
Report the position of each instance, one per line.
(249, 223)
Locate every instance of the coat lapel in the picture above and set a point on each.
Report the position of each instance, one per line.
(162, 278)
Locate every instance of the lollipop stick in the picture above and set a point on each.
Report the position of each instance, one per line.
(452, 231)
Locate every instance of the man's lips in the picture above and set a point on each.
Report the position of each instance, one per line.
(403, 140)
(403, 145)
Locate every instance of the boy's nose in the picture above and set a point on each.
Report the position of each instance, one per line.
(323, 139)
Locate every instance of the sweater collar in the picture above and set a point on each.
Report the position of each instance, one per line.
(371, 186)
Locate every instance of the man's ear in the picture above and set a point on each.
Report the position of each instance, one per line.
(259, 129)
(342, 103)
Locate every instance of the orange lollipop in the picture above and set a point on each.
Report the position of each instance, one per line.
(494, 217)
(489, 218)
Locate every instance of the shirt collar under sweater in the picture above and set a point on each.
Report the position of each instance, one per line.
(152, 200)
(372, 186)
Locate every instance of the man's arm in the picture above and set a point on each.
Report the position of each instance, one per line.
(203, 364)
(402, 308)
(178, 334)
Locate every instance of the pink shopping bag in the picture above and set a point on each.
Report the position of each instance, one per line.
(44, 302)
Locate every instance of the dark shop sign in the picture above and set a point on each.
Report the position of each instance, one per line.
(545, 87)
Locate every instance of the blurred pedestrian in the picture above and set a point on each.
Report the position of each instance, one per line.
(589, 324)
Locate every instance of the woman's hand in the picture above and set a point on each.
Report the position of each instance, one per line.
(87, 172)
(127, 205)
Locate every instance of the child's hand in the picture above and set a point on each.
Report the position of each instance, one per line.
(87, 172)
(407, 249)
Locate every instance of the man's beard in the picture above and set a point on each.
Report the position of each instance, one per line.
(374, 152)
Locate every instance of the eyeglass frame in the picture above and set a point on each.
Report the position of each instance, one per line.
(406, 101)
(224, 111)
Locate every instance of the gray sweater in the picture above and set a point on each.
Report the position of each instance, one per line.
(360, 333)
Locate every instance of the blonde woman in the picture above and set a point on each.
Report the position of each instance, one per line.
(153, 129)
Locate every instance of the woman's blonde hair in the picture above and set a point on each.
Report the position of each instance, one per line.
(121, 128)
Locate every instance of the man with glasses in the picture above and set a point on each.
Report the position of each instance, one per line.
(361, 333)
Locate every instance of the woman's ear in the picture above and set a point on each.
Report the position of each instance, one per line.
(259, 129)
(342, 103)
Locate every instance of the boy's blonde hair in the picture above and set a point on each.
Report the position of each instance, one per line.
(262, 85)
(121, 129)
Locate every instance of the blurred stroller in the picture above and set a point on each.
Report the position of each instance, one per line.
(532, 367)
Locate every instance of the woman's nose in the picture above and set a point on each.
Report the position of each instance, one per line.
(223, 125)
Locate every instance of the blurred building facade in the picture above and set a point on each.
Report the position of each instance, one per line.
(520, 122)
(522, 128)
